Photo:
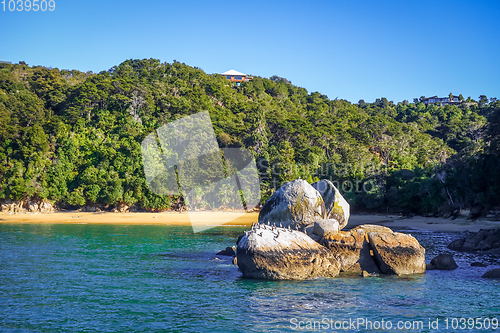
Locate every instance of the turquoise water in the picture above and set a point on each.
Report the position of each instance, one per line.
(127, 278)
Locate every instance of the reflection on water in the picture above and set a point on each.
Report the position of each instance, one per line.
(165, 278)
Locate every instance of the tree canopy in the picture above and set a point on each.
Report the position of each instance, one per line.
(74, 138)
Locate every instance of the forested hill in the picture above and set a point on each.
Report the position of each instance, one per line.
(73, 138)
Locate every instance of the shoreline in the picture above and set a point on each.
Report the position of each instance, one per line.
(214, 218)
(140, 218)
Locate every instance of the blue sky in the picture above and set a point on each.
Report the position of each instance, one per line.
(347, 49)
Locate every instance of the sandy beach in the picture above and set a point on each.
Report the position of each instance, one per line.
(241, 218)
(167, 218)
(423, 223)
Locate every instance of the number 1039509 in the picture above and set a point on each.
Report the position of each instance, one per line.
(28, 5)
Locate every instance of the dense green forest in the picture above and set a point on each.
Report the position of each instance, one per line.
(74, 139)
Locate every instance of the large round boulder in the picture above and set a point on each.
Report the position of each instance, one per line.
(336, 206)
(296, 204)
(273, 253)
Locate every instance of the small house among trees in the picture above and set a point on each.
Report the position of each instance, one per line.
(451, 100)
(235, 76)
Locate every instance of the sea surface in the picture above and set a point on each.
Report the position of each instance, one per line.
(152, 278)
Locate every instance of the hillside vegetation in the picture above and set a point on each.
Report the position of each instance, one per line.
(74, 139)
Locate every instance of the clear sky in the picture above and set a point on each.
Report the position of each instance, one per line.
(352, 50)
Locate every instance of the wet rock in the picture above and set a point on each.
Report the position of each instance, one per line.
(484, 240)
(337, 208)
(352, 249)
(492, 274)
(275, 253)
(397, 253)
(295, 204)
(365, 274)
(229, 251)
(443, 261)
(235, 261)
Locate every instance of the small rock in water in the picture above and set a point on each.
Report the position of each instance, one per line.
(493, 274)
(235, 261)
(479, 264)
(227, 252)
(365, 274)
(444, 261)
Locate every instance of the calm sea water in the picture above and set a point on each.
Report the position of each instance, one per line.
(127, 278)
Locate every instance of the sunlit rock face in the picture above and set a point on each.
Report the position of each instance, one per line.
(273, 253)
(336, 206)
(296, 204)
(397, 253)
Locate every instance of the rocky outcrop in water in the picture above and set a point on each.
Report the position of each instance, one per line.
(484, 240)
(228, 251)
(296, 204)
(313, 246)
(336, 206)
(492, 274)
(397, 253)
(273, 253)
(352, 249)
(443, 261)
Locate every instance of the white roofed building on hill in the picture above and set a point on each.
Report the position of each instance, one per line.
(235, 76)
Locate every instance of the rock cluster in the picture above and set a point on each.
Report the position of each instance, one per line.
(484, 240)
(299, 236)
(30, 206)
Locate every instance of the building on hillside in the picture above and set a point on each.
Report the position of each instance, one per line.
(442, 100)
(5, 62)
(235, 76)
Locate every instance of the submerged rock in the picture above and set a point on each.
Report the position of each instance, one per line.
(295, 204)
(397, 253)
(479, 264)
(493, 274)
(336, 206)
(443, 261)
(274, 253)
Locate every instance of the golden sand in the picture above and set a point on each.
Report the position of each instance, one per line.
(205, 218)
